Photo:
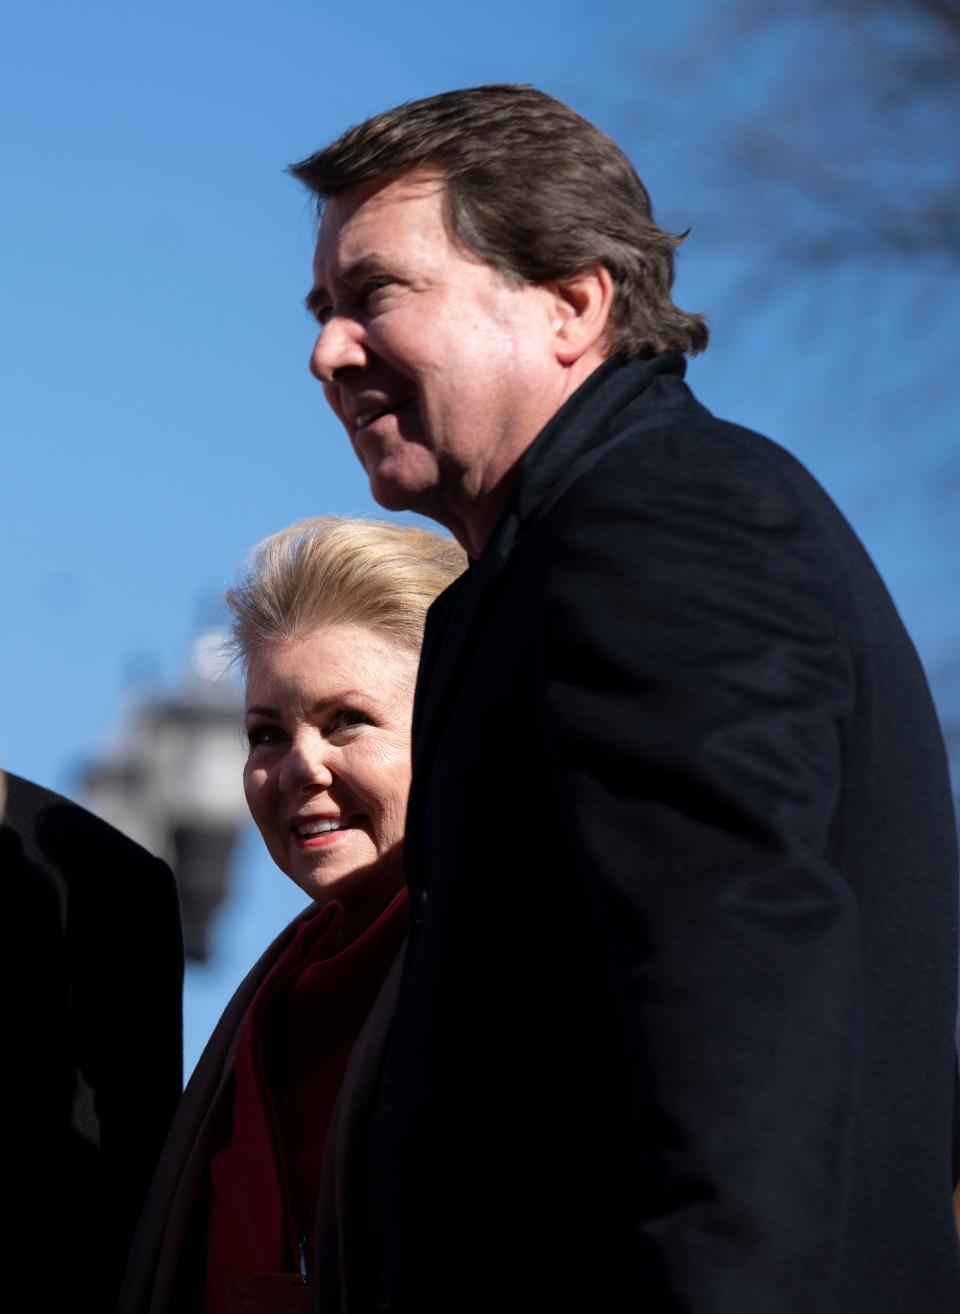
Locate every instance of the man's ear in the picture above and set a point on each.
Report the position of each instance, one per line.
(581, 309)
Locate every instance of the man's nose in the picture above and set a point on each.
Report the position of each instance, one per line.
(339, 346)
(307, 764)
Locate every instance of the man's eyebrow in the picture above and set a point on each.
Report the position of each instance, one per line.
(315, 299)
(362, 267)
(270, 712)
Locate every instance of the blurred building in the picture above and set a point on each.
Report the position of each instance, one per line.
(173, 781)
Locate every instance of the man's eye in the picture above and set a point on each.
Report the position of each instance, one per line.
(368, 297)
(352, 304)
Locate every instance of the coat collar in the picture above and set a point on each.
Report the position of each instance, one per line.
(613, 395)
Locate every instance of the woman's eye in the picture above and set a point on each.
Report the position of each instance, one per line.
(347, 717)
(258, 735)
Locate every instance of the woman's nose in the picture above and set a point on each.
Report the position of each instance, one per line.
(307, 764)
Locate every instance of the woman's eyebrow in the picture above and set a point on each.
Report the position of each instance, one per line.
(340, 696)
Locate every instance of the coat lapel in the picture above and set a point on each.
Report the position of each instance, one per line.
(553, 461)
(450, 624)
(343, 1208)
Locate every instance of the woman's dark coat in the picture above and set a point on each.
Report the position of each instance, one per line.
(167, 1259)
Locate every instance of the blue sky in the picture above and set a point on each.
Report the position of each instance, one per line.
(157, 413)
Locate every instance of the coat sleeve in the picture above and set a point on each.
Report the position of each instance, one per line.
(695, 684)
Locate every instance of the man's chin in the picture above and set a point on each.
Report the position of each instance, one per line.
(395, 494)
(391, 496)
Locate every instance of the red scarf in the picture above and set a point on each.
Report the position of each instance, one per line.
(293, 1049)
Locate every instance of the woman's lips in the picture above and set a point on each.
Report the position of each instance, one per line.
(320, 841)
(326, 831)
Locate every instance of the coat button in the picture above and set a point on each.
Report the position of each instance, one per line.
(419, 905)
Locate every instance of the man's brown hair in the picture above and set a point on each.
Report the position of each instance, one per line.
(534, 190)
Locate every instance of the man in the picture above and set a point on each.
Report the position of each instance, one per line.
(92, 975)
(675, 1027)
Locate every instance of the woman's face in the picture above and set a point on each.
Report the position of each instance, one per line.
(328, 768)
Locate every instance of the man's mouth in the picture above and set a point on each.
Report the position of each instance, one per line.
(370, 416)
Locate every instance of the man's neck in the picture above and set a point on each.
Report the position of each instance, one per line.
(473, 511)
(474, 525)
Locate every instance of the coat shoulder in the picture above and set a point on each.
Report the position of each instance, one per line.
(51, 829)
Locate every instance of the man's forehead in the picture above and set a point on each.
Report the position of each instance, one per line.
(349, 214)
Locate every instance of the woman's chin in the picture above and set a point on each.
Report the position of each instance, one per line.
(345, 877)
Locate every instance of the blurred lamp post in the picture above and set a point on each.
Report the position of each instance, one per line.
(174, 784)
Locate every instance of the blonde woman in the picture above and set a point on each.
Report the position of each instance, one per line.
(328, 623)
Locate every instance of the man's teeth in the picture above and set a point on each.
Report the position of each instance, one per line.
(318, 827)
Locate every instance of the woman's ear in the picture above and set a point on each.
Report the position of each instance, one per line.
(581, 311)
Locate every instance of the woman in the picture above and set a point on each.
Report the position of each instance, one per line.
(327, 627)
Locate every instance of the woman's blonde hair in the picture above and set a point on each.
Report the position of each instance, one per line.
(333, 571)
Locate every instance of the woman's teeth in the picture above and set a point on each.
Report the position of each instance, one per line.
(318, 827)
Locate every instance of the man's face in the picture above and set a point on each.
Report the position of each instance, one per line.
(441, 372)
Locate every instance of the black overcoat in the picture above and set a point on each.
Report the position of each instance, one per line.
(92, 1043)
(675, 1029)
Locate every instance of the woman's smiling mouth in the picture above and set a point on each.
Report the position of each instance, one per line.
(317, 832)
(318, 827)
